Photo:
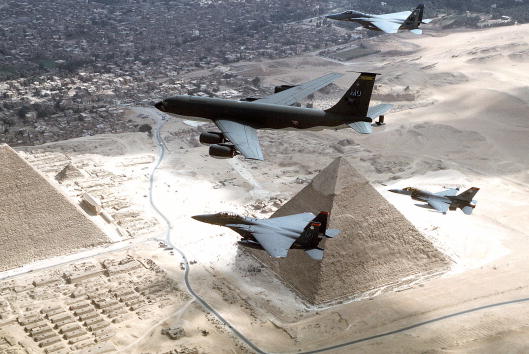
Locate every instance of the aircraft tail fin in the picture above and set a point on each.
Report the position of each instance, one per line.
(415, 19)
(310, 237)
(468, 195)
(356, 100)
(314, 233)
(323, 219)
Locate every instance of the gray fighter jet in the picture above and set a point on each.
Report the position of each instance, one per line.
(238, 121)
(277, 235)
(445, 200)
(388, 23)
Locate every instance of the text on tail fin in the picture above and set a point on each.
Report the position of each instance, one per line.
(356, 100)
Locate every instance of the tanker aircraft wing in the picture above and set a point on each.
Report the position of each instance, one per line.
(297, 93)
(243, 137)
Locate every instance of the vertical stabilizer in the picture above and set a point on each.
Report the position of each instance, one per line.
(415, 19)
(355, 102)
(468, 195)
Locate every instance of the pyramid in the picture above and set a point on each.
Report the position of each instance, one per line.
(377, 245)
(36, 220)
(68, 173)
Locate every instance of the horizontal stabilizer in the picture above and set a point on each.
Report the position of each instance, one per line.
(315, 253)
(468, 210)
(332, 233)
(416, 31)
(428, 20)
(362, 127)
(379, 110)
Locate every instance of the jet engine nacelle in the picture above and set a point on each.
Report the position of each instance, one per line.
(281, 88)
(211, 138)
(222, 151)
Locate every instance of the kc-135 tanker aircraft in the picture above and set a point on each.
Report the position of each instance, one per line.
(388, 23)
(238, 121)
(277, 235)
(445, 200)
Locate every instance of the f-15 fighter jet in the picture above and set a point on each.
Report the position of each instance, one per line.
(445, 200)
(389, 23)
(277, 235)
(238, 121)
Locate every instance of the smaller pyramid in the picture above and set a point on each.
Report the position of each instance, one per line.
(377, 245)
(68, 173)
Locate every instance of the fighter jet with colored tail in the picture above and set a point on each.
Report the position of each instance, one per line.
(445, 200)
(388, 23)
(277, 235)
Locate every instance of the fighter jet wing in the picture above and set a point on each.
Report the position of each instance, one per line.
(297, 93)
(243, 137)
(274, 243)
(439, 205)
(396, 15)
(386, 25)
(448, 193)
(378, 110)
(292, 221)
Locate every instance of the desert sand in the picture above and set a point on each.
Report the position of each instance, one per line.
(460, 120)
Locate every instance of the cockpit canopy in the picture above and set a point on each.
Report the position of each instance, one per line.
(227, 214)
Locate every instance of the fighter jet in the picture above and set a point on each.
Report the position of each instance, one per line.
(238, 121)
(388, 23)
(445, 200)
(277, 235)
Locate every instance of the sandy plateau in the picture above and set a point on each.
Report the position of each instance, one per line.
(460, 120)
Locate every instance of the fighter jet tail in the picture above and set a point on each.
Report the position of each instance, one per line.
(416, 17)
(313, 234)
(322, 218)
(355, 102)
(468, 195)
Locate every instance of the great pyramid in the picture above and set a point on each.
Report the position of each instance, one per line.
(378, 246)
(36, 220)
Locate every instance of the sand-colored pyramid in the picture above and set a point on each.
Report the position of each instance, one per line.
(378, 246)
(68, 173)
(36, 220)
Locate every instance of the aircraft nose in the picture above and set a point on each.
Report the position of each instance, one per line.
(161, 106)
(203, 218)
(398, 191)
(340, 16)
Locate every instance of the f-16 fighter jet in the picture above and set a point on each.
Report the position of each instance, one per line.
(277, 235)
(389, 23)
(238, 121)
(445, 200)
